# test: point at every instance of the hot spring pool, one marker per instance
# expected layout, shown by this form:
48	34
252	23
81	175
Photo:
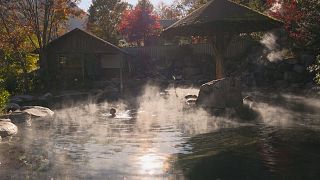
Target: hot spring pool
158	138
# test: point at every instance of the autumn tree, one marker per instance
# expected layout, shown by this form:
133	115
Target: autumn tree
104	16
45	18
290	13
30	25
171	12
14	45
302	23
301	19
140	24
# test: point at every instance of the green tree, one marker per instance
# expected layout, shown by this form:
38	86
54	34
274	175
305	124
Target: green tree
259	5
315	68
104	16
310	24
191	5
145	4
4	94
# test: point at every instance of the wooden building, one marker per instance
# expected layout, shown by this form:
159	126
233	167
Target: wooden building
79	56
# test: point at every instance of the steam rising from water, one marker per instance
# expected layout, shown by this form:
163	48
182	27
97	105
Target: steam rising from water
153	108
150	128
83	142
139	140
287	110
269	40
156	108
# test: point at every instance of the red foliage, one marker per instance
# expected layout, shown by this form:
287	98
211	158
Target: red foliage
139	24
289	12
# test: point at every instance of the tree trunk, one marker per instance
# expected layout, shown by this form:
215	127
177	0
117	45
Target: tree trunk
44	74
23	64
25	80
42	60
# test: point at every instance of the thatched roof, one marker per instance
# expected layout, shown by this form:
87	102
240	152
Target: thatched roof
222	16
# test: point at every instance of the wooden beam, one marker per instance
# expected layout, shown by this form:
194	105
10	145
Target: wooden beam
83	65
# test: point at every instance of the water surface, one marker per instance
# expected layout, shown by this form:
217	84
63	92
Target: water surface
161	138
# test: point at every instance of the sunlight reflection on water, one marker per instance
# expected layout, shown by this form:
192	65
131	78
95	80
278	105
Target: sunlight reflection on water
83	142
152	164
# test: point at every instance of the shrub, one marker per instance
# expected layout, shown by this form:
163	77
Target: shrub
315	68
4	96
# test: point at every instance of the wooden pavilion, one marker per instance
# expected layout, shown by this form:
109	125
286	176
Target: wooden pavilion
220	20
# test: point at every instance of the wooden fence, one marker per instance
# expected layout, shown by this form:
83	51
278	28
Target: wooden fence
236	47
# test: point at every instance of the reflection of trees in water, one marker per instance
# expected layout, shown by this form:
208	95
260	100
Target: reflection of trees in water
80	142
224	154
290	152
253	153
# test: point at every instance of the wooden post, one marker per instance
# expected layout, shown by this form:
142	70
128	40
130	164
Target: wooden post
218	45
121	75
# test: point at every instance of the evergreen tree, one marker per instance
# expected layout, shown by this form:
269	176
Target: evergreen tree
145	4
104	16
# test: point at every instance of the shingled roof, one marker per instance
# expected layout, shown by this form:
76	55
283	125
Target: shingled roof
85	33
222	16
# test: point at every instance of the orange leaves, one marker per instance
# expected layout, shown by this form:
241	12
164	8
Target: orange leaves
139	24
13	33
291	14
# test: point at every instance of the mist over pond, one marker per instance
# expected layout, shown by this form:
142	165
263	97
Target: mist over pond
157	136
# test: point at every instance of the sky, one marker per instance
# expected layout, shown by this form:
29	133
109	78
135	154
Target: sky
86	3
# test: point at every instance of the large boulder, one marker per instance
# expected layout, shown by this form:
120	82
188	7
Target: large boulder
37	111
12	107
46	97
221	93
21	99
4	119
7	128
44	100
18	117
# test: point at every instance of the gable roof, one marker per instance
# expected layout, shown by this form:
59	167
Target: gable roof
164	23
87	34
